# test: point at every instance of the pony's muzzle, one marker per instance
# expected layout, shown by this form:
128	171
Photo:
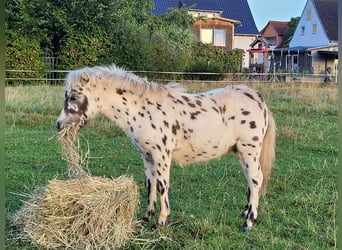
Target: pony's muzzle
59	126
63	120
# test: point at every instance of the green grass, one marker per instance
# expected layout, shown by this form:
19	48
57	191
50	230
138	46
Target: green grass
299	211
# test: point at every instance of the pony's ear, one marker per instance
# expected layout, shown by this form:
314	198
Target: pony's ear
84	77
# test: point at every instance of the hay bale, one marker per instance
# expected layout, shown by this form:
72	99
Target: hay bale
84	213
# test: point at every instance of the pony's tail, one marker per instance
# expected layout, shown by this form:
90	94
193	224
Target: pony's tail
268	152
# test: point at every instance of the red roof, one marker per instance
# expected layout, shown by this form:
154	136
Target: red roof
279	26
258	50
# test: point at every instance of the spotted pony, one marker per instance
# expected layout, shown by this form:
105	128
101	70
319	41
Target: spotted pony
167	124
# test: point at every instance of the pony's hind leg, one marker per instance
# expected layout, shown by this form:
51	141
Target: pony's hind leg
248	157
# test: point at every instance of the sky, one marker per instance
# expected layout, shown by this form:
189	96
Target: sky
275	10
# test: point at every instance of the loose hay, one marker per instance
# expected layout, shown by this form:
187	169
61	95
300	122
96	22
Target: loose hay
69	141
85	213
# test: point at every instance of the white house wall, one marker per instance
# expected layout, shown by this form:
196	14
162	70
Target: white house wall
243	42
308	38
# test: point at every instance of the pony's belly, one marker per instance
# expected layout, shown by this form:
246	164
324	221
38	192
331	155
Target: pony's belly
191	154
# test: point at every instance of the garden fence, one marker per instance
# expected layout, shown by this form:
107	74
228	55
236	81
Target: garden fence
23	77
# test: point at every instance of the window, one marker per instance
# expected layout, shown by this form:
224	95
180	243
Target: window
308	14
220	38
302	30
206	36
217	37
314	28
272	41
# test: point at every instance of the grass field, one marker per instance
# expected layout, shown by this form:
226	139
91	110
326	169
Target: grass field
299	211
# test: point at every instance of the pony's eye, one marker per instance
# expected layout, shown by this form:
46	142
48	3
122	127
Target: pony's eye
72	99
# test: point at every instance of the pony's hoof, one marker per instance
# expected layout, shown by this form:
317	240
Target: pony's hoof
145	220
162	224
246	229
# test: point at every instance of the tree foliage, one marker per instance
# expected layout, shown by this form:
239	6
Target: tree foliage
290	31
92	32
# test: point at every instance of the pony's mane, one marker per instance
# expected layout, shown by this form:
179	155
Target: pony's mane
131	82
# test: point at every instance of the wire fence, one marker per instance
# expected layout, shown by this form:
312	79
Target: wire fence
56	77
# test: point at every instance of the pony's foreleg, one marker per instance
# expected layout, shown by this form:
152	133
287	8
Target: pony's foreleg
163	190
157	179
151	185
250	164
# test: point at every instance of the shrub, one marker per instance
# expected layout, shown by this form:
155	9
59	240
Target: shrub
23	53
207	70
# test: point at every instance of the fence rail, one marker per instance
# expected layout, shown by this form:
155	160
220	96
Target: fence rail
14	77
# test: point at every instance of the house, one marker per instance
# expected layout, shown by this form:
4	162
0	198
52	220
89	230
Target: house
226	20
273	33
258	55
314	45
317	25
214	29
260	52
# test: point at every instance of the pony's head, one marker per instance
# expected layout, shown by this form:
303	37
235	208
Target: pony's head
79	104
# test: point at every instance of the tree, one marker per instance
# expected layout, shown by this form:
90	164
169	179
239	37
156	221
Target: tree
22	47
77	32
93	32
290	31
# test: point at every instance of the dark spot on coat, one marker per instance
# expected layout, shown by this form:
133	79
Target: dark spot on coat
175	127
214	108
246	112
178	101
249	95
255	182
194	114
164	139
252	124
191	105
160	187
185	98
120	91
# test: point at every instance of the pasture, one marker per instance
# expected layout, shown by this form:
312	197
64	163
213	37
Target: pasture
298	212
